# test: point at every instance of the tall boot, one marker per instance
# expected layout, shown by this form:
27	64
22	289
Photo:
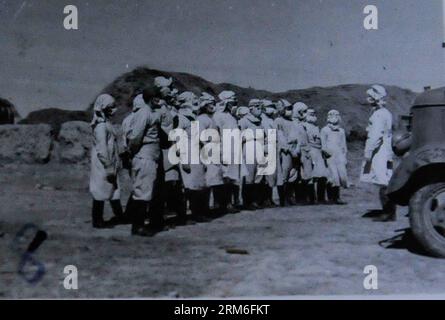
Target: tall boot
248	197
204	203
195	198
389	208
236	196
321	190
290	193
180	207
98	215
310	192
257	195
336	196
156	215
282	195
119	217
228	192
219	198
138	217
329	192
269	195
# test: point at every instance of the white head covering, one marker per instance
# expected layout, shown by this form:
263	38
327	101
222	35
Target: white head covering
378	93
254	102
267	103
311	116
187	102
163	82
333	117
242	111
298	108
138	102
206	99
227	96
102	102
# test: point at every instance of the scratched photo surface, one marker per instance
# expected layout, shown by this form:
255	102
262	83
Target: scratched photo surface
336	217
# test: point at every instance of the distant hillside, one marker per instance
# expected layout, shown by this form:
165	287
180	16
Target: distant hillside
349	99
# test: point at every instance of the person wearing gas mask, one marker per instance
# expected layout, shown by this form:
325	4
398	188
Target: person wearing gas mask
288	152
268	123
213	171
224	119
144	141
105	164
251	189
334	148
172	193
192	174
319	169
378	164
304	191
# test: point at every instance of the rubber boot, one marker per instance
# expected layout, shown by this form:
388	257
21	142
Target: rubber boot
180	206
321	190
257	195
269	196
389	208
119	217
236	197
220	204
248	190
228	199
336	196
98	215
329	192
310	192
195	198
290	193
282	195
138	217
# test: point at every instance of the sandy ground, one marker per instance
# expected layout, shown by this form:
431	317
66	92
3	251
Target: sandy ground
310	250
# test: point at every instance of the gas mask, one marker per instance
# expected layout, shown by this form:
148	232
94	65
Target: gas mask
110	111
288	113
311	116
256	111
270	112
333	117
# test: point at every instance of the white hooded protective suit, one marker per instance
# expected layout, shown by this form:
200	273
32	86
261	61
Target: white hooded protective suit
333	142
225	120
251	122
319	169
378	149
194	178
104	154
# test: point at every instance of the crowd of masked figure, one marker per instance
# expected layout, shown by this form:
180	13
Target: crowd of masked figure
311	163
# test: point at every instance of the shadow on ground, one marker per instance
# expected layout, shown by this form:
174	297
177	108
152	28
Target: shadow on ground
405	240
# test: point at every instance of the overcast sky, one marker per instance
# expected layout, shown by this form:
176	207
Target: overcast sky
274	45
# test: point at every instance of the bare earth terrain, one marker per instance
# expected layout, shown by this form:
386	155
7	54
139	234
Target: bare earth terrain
318	250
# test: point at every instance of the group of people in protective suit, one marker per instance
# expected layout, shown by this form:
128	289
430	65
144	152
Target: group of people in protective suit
310	163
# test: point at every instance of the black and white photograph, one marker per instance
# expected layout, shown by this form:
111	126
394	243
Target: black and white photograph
254	149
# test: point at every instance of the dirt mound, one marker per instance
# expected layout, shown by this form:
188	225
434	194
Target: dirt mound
349	99
25	144
56	117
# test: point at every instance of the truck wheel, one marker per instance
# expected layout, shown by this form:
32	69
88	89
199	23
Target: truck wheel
427	218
